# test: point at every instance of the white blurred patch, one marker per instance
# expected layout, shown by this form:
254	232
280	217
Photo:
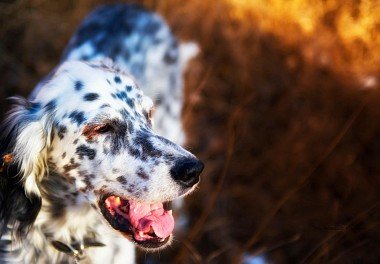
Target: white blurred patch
253	259
187	51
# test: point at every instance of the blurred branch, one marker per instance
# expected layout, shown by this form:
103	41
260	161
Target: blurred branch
194	253
350	249
196	94
217	253
266	249
231	136
335	233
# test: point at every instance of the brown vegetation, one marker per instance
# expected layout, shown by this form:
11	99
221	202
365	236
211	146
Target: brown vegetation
282	105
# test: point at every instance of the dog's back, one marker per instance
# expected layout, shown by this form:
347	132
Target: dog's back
141	43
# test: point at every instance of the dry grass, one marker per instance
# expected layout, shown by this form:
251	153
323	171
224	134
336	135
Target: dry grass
282	105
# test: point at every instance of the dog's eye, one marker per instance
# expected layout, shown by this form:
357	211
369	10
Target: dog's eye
103	128
90	131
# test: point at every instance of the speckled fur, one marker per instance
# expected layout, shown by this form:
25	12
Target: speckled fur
87	130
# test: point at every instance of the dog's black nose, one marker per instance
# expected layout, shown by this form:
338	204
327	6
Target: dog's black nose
186	171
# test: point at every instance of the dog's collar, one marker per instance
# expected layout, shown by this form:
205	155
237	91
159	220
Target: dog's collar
77	248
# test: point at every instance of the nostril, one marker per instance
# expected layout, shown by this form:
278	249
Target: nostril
192	172
186	171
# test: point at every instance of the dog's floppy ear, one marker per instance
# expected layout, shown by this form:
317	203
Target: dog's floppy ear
28	128
24	139
17	211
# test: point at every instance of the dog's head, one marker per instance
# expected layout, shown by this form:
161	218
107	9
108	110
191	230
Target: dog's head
92	125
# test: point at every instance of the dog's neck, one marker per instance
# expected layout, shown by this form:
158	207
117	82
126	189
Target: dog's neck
66	223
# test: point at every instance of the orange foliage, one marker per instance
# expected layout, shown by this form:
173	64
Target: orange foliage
343	34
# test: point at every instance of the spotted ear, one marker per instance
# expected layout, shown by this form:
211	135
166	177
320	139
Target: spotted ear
28	128
187	51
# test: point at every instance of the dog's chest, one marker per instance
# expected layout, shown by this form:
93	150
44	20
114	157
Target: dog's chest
82	238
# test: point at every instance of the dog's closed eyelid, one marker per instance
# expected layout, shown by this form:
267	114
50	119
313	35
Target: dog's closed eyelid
92	130
104	128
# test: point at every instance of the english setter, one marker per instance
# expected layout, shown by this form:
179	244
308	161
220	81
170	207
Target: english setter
83	176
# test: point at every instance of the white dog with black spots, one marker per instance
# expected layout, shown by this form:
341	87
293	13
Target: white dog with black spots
86	173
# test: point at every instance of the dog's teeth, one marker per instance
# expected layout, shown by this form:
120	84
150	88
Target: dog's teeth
141	233
151	231
170	212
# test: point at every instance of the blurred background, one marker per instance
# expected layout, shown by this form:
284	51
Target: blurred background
282	105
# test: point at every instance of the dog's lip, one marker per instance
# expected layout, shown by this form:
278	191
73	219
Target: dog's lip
152	243
127	230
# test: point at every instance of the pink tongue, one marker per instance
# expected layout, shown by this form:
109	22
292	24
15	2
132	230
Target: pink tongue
143	216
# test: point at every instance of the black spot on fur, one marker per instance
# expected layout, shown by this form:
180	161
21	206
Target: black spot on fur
130	103
91	176
131	188
122	95
70	166
122	180
142	174
88	182
59	194
75	141
90	96
108	81
130	127
61	131
118	138
128	88
51	106
105	105
125	114
63	155
143	140
58	210
85	151
134	152
171	56
77	117
117	79
34	108
82	173
78	85
137	193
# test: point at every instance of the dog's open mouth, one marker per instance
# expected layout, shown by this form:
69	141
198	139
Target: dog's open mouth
148	225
